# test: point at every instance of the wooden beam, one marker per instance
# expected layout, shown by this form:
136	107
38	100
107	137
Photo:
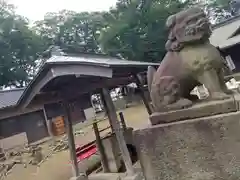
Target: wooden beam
122	119
14	111
101	148
49	124
71	142
80	88
139	81
112	115
77	89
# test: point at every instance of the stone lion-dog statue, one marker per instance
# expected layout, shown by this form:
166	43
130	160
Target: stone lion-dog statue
190	61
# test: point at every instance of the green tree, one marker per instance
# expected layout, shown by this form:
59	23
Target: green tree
19	48
218	10
73	32
136	29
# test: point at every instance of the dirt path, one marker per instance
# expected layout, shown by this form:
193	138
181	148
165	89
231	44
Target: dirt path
58	166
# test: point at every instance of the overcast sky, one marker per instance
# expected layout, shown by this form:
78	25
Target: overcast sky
35	9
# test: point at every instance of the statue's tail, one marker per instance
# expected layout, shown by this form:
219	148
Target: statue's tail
150	75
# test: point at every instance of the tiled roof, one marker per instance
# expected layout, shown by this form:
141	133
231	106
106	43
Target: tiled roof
223	34
230	42
96	60
10	97
58	66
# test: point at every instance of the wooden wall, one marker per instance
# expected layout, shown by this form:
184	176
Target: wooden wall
33	124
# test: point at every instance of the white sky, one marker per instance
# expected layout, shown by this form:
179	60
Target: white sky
35	9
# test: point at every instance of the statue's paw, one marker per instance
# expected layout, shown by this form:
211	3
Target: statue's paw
185	103
180	104
228	92
192	97
219	96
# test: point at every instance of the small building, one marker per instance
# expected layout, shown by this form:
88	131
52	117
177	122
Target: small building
31	124
24	126
226	37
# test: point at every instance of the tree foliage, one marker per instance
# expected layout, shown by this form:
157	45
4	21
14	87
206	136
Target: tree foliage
74	32
133	29
136	29
19	48
218	10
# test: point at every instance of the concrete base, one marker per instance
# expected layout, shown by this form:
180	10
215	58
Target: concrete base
112	151
136	176
79	178
89	164
114	176
105	176
202	109
200	149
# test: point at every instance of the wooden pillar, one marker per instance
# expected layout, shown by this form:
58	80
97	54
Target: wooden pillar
71	142
112	115
101	148
122	119
139	81
48	123
105	107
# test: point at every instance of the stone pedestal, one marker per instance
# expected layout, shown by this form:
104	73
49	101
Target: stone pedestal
79	178
105	176
201	109
136	176
206	148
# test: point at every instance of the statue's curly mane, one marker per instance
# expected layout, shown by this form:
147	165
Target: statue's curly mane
188	26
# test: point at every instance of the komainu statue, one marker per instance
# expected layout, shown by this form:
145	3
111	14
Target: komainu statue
190	61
